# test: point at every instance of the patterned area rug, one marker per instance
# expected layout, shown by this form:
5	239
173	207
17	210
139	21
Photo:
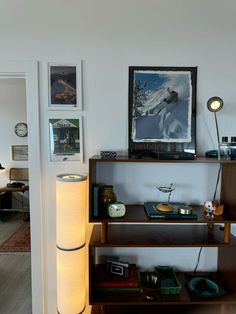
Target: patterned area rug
19	241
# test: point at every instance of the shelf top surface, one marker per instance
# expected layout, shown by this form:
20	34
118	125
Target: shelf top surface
136	213
198	159
184	297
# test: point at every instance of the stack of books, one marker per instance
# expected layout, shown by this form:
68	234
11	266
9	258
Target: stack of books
105	281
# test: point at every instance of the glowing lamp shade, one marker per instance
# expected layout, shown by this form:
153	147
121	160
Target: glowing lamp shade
71	281
71	194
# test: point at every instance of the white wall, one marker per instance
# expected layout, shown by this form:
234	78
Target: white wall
109	36
12	111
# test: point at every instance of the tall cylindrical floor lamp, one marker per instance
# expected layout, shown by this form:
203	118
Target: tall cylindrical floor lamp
71	195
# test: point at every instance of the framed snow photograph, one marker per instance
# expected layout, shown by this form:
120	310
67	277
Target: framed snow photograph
66	139
162	109
65	86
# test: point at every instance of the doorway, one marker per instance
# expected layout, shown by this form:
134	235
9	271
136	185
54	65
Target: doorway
28	71
14	202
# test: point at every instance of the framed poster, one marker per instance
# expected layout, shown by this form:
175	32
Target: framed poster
66	139
19	152
65	86
162	109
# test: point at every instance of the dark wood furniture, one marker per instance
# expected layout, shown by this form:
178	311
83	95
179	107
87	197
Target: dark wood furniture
194	233
6	195
8	192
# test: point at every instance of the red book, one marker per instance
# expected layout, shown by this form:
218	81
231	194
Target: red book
104	279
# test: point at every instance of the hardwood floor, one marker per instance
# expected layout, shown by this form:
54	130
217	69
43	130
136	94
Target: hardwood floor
15	273
15	283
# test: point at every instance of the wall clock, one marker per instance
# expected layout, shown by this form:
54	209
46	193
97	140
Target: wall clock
21	129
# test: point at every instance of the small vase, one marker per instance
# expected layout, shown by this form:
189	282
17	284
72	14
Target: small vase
107	196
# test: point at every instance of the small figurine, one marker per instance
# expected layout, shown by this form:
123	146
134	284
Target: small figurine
210	208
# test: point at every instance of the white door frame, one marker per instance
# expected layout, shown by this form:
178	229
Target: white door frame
29	71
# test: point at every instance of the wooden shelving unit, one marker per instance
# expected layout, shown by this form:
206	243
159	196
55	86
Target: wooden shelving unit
154	233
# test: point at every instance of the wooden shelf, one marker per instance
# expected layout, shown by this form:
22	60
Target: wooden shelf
134	235
136	230
185	297
136	213
167	309
198	159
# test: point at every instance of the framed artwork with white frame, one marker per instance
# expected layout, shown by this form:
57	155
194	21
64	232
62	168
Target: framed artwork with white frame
66	139
19	152
65	86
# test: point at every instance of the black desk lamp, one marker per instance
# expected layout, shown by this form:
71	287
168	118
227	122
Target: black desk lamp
1	167
215	104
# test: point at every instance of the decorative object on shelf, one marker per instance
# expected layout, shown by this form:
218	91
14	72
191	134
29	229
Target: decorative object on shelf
19	152
117	268
1	167
135	154
116	210
215	104
107	196
169	282
153	213
108	154
232	148
96	190
21	129
185	210
212	208
71	194
165	207
66	142
65	86
208	285
224	148
150	282
212	153
162	109
203	287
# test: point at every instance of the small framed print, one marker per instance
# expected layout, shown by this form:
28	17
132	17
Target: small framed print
65	86
19	152
66	139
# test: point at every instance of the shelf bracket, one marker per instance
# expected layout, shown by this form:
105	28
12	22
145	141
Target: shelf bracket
227	232
103	309
210	224
104	227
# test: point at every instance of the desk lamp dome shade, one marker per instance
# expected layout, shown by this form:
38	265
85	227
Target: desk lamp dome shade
1	167
215	104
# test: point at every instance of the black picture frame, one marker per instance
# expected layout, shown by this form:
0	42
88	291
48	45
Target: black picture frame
162	109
